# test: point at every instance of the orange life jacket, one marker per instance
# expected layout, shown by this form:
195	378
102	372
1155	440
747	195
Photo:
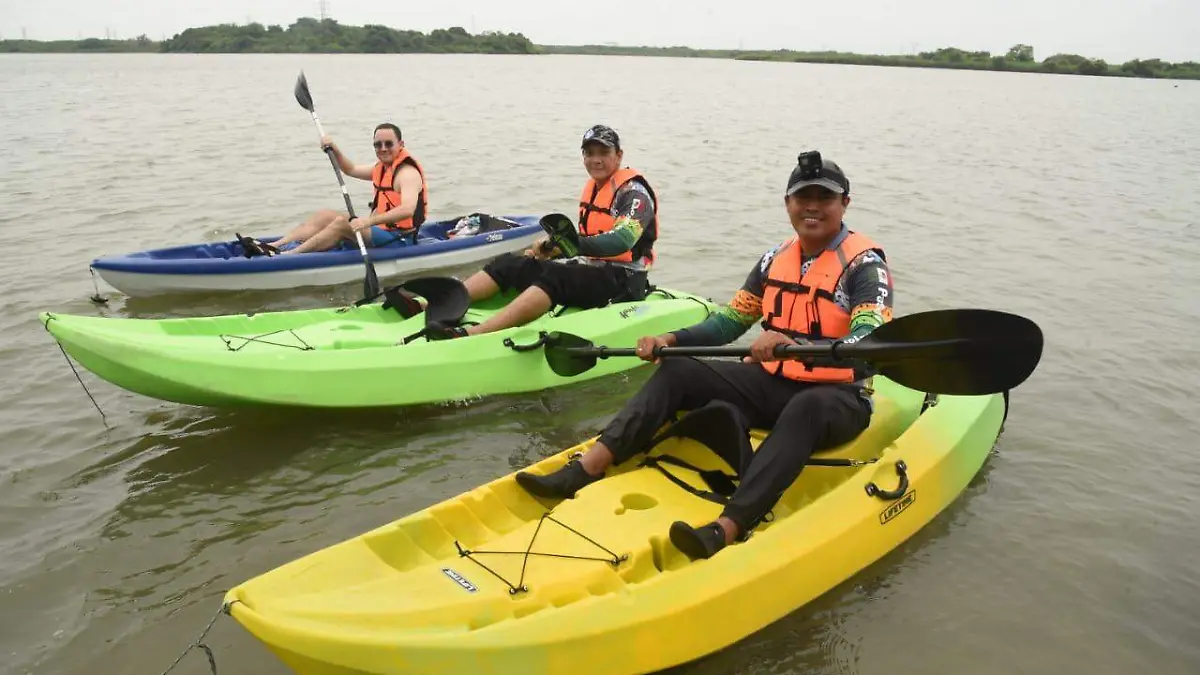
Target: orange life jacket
803	305
386	198
596	216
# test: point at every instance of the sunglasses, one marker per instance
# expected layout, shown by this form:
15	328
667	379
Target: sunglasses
384	144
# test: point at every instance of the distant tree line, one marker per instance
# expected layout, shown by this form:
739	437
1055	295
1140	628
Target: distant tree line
329	36
305	35
138	44
1019	59
311	35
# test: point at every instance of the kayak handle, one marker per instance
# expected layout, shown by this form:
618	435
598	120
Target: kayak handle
874	490
542	335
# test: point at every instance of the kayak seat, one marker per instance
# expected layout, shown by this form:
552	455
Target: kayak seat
707	462
888	422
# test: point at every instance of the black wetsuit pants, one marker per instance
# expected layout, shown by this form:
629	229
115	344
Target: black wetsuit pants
803	418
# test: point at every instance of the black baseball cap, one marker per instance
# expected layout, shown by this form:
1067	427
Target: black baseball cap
812	169
601	134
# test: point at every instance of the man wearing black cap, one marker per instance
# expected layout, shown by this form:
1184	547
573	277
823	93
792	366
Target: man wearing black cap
826	284
601	258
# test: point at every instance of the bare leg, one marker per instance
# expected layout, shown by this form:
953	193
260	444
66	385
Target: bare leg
327	238
315	223
597	459
481	285
527	306
730	528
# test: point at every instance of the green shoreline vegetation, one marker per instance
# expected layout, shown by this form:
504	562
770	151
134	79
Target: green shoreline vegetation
309	35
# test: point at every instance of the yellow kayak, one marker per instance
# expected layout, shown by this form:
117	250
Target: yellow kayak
497	581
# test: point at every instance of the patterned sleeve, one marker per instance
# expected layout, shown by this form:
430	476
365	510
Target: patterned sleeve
869	288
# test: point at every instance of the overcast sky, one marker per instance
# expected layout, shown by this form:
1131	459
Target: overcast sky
1115	30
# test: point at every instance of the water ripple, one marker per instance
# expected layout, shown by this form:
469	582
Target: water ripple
1069	200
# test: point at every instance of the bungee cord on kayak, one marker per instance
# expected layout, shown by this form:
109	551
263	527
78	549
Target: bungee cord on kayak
304	346
520	587
721	483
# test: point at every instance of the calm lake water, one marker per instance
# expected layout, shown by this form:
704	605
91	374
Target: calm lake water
1071	200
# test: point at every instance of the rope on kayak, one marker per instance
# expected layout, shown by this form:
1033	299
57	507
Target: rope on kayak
212	661
258	338
520	586
97	298
49	318
85	389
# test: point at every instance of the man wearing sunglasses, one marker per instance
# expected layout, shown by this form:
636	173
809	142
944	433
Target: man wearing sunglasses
603	257
826	284
398	206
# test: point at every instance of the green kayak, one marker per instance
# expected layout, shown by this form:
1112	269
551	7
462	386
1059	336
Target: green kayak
351	357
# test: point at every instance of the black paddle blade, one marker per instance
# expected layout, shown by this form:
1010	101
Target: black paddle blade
554	224
302	96
569	355
963	352
446	297
562	232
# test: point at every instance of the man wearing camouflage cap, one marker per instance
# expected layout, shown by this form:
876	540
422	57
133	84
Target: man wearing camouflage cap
603	257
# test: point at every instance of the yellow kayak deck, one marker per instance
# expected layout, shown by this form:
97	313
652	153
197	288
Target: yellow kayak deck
498	581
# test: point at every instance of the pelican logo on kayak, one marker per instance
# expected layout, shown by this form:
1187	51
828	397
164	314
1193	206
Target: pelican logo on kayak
458	578
495	236
897	508
630	311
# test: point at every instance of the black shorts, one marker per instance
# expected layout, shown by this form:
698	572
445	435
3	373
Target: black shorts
568	284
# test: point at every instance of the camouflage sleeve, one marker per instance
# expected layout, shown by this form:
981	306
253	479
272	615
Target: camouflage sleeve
869	288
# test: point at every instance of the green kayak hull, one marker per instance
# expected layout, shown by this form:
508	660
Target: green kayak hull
350	357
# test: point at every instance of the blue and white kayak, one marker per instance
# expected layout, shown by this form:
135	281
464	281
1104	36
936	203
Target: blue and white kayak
224	266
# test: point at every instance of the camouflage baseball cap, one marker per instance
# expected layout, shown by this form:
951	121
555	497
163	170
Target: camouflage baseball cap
601	134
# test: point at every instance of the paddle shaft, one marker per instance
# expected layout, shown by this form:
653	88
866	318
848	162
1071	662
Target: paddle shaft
837	351
345	192
961	352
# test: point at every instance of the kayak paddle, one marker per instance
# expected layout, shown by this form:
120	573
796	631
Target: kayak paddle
371	282
446	298
562	233
964	352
